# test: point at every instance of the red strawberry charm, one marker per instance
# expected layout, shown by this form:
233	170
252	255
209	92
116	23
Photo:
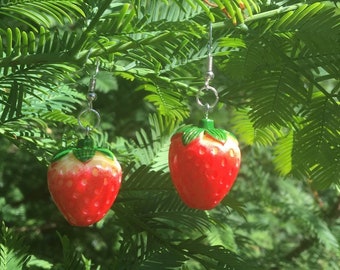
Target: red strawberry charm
203	162
84	182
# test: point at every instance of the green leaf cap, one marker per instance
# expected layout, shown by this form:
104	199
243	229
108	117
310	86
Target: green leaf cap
206	125
84	151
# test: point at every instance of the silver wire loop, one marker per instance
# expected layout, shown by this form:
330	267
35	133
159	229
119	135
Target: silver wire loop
83	114
208	107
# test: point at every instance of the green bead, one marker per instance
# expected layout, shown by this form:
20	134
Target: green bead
206	123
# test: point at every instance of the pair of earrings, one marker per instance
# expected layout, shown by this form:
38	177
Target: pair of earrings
204	161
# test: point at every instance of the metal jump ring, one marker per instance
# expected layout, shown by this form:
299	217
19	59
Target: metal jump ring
89	110
207	106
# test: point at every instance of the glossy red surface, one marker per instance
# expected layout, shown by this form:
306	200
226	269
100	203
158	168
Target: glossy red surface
84	191
204	170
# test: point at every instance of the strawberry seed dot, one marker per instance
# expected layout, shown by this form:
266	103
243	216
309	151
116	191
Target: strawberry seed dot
223	163
95	172
214	150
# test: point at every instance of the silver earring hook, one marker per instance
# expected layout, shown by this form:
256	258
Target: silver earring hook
209	76
210	73
93	80
87	112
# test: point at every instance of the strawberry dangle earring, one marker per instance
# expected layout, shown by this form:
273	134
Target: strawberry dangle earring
84	180
204	161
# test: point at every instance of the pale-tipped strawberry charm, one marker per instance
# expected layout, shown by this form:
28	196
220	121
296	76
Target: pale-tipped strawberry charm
84	182
204	163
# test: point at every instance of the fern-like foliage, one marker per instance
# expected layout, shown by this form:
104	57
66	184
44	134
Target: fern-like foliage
154	48
151	147
28	121
32	94
151	213
280	68
71	258
13	255
292	89
31	14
